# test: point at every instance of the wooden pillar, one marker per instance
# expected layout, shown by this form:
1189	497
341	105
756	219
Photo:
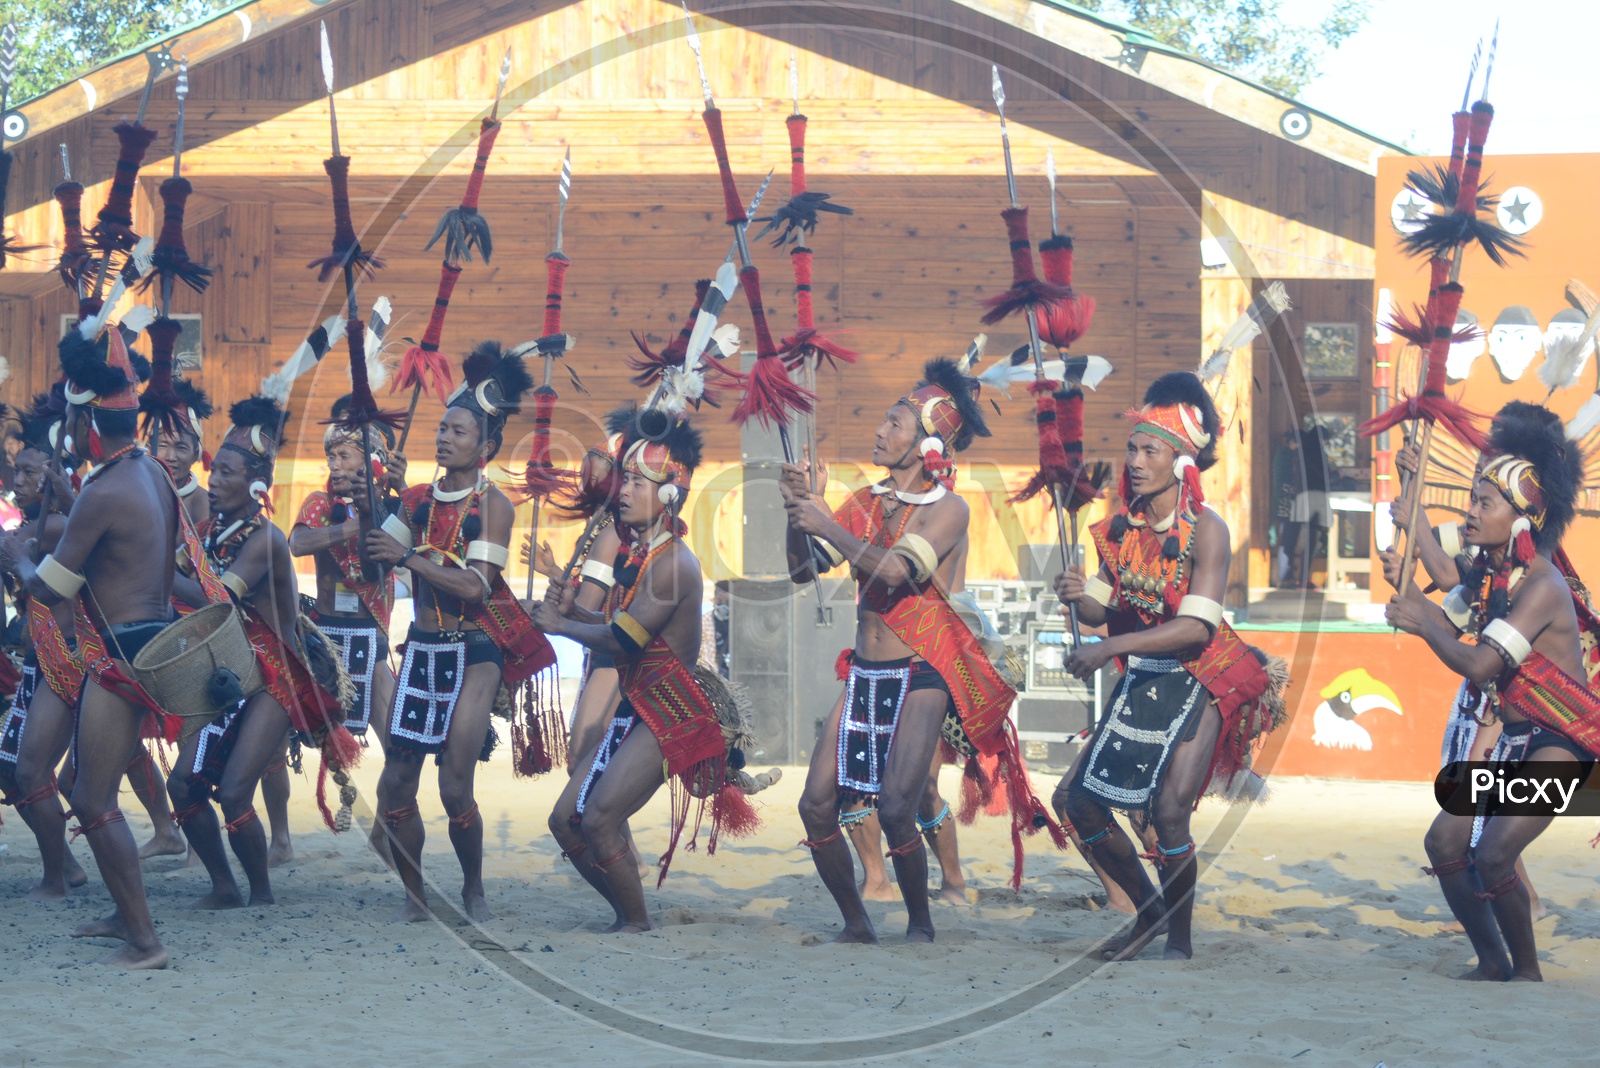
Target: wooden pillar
1228	484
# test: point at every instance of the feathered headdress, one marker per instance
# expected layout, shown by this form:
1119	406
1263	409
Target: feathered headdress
1538	471
600	474
493	383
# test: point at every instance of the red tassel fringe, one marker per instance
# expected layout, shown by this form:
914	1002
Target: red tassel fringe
769	395
1054	470
74	250
423	365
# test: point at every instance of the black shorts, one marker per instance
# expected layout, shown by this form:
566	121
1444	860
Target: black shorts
124	641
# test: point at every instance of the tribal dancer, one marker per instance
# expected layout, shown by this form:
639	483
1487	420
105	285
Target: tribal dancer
179	448
595	499
250	558
38	728
917	672
470	637
1471	729
1529	659
115	561
1193	696
650	626
352	611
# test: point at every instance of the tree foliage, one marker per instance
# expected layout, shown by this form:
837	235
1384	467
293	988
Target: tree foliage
1249	37
59	40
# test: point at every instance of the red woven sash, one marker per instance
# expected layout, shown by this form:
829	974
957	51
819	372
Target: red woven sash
62	671
664	694
1555	700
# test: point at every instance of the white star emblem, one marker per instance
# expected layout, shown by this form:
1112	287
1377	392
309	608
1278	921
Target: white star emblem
1519	209
1407	211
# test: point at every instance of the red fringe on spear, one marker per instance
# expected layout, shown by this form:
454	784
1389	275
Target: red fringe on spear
538	727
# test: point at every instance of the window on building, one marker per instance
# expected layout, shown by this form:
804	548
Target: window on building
1330	350
186	351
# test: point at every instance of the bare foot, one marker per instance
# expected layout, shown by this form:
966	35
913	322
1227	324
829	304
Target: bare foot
48	890
138	959
170	844
218	900
854	936
1173	952
476	908
412	911
105	927
1537	910
636	928
917	935
616	925
883	891
953	895
1518	977
262	897
1481	974
192	860
280	853
74	872
1111	947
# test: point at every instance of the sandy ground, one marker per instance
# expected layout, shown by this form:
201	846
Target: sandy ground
1316	935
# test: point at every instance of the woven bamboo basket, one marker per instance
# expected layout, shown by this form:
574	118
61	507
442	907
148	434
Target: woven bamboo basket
176	667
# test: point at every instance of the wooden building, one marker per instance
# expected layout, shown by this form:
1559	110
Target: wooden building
1162	158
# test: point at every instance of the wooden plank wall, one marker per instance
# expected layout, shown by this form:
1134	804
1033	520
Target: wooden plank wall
902	280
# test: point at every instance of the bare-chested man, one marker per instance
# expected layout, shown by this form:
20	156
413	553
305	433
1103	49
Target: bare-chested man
1174	720
917	671
1528	655
470	634
250	557
352	610
649	625
600	483
116	557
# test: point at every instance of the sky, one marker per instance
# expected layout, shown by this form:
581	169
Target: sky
1403	74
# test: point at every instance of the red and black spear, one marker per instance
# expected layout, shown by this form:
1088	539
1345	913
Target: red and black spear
160	402
538	739
807	347
463	228
350	257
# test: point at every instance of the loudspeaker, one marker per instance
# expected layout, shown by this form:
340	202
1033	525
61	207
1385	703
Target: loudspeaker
766	524
1038	563
784	661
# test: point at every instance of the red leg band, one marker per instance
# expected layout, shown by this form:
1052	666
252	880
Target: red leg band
184	815
113	816
394	817
279	766
464	820
818	843
1501	888
618	855
1450	867
47	790
906	849
575	852
234	826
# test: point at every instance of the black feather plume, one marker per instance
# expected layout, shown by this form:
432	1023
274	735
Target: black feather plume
1438	235
463	229
800	214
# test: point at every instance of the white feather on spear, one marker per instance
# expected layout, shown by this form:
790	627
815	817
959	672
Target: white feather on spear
1267	306
1588	416
280	383
1088	371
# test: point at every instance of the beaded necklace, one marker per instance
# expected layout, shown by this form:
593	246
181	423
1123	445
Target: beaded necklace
469	504
223	546
620	596
1145	573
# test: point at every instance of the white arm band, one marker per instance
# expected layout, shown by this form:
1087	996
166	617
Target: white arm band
824	557
597	572
236	585
1099	591
1202	608
1508	640
1450	538
62	580
916	551
488	552
397	529
1457	609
